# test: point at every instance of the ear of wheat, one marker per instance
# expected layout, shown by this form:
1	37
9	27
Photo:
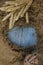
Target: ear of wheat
16	9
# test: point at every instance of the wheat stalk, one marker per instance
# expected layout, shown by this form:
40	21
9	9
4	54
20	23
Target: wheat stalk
11	21
27	17
27	7
6	17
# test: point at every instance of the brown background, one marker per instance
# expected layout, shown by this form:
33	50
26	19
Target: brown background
36	19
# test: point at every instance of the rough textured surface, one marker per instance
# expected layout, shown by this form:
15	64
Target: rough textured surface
36	19
23	37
